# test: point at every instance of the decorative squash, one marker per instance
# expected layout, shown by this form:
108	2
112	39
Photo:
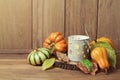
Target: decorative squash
38	56
58	40
104	39
100	56
110	51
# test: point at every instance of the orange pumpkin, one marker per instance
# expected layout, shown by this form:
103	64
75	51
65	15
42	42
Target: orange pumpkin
58	40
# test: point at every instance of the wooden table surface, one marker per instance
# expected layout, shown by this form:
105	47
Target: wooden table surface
16	67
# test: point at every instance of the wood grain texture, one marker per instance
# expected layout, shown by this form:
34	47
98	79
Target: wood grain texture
16	67
40	23
81	15
15	24
109	21
53	17
35	23
25	24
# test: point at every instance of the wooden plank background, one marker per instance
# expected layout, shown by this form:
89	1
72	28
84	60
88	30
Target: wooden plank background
28	25
15	24
109	21
81	16
50	18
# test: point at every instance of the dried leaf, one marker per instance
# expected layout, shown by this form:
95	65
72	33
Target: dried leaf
94	68
62	57
48	63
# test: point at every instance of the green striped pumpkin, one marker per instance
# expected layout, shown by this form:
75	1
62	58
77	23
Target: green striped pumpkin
37	57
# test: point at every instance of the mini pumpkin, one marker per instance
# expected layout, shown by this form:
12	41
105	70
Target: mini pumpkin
56	39
38	56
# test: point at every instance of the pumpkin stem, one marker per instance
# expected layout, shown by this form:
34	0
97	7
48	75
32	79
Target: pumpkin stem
52	47
95	40
36	49
106	71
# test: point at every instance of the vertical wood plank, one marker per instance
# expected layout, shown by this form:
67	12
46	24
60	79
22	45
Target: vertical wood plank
109	20
53	17
35	23
73	18
81	15
15	24
40	23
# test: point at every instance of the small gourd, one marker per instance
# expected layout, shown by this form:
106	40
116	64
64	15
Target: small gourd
100	56
102	39
105	39
38	56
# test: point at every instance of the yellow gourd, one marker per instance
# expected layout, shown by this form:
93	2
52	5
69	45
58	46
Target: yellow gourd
100	56
103	39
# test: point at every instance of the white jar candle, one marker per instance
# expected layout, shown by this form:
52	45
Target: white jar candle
78	47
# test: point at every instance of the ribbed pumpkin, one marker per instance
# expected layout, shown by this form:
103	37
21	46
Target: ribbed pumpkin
38	56
58	40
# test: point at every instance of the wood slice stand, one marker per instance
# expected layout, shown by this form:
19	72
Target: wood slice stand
67	66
